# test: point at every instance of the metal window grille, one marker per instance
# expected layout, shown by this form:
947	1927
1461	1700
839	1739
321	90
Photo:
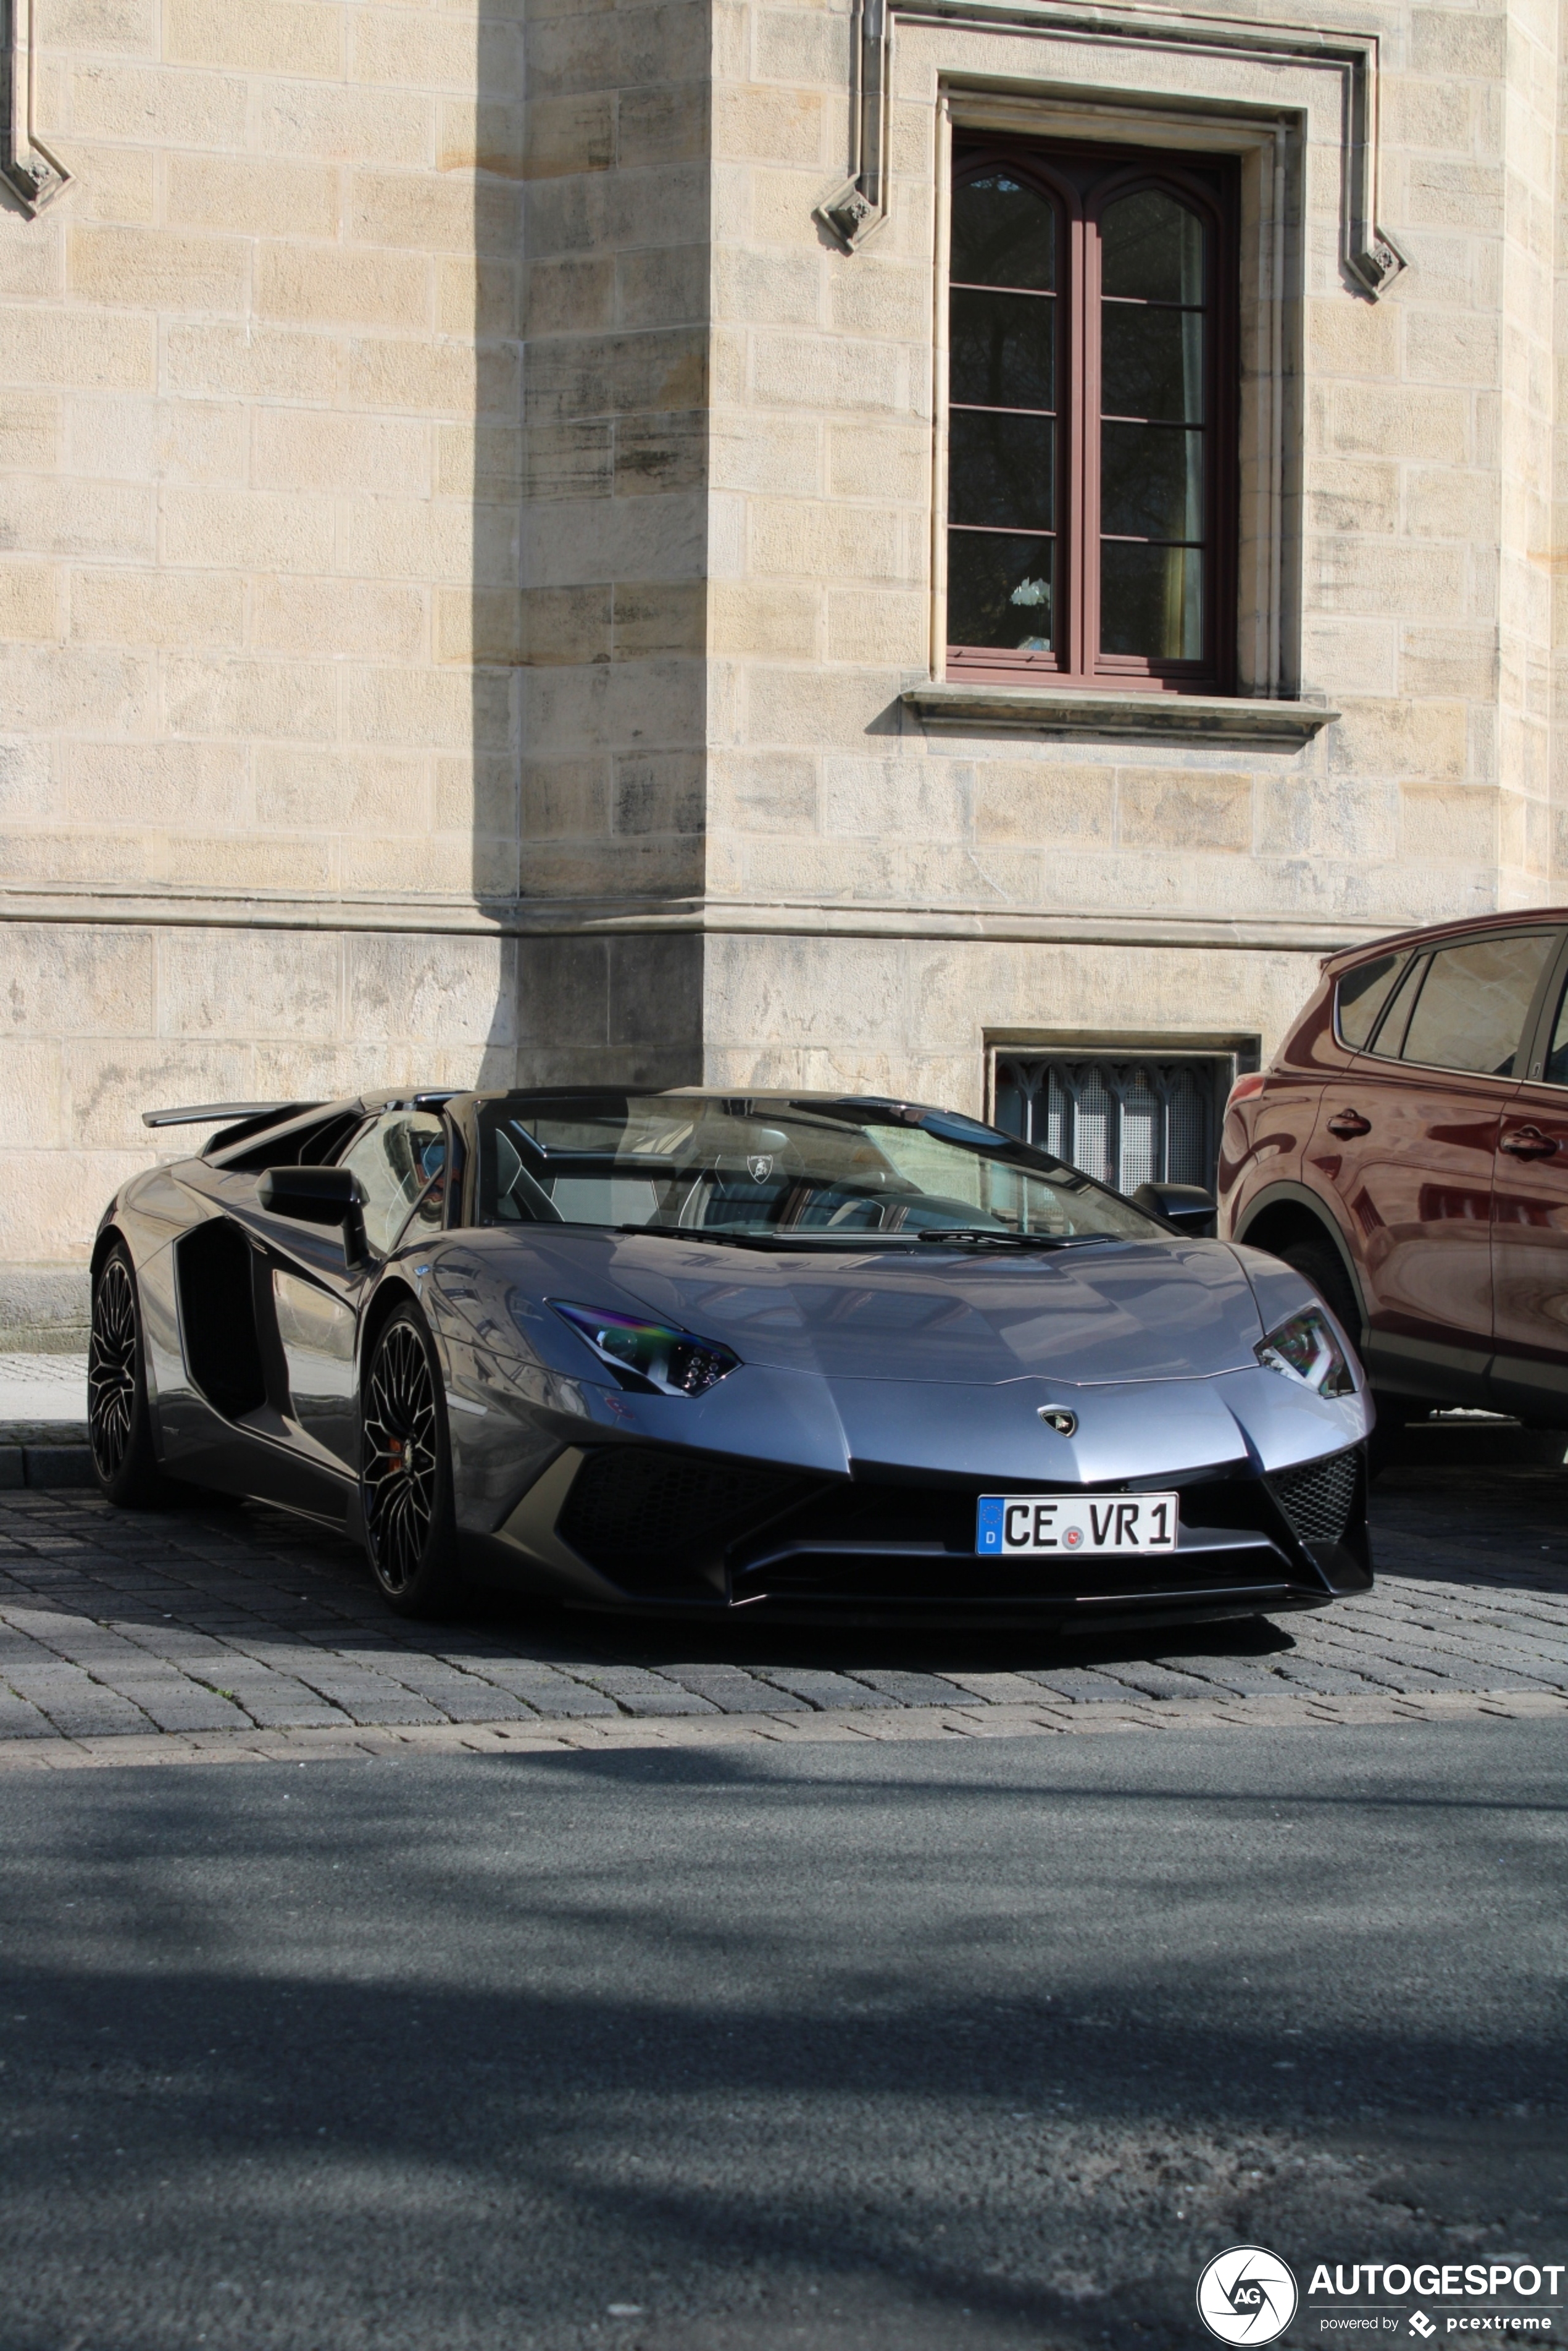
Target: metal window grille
1126	1119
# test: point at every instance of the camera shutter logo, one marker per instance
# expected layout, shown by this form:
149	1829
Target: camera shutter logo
1246	2295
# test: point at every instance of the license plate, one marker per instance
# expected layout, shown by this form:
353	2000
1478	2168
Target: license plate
1032	1525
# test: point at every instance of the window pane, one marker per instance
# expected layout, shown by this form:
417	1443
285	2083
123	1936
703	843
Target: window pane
1151	600
394	1160
1151	362
1001	469
1361	996
1391	1029
1000	591
1470	1013
1151	482
1003	351
1557	1059
1003	233
1151	247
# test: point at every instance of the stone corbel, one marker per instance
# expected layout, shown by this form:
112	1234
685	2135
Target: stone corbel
856	210
33	173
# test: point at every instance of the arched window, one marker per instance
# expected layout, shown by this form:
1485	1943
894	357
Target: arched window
1091	442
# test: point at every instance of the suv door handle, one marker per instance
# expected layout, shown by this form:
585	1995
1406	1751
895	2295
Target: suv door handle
1528	1142
1346	1123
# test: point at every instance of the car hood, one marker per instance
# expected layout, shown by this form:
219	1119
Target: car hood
1127	1311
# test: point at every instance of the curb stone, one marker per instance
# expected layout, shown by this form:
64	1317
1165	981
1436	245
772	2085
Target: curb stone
592	1734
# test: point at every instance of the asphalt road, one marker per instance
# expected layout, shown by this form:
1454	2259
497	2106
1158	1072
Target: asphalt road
913	2049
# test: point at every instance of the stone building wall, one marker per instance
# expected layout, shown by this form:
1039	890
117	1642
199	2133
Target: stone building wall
466	551
259	508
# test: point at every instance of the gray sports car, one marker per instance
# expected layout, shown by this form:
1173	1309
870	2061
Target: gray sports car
712	1354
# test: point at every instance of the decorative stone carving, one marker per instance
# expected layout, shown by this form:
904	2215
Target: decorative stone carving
34	175
859	207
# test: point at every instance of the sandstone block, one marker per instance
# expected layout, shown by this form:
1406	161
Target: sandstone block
1457	821
75	349
1178	809
776	126
478	624
882	625
253	362
1031	801
213	694
286	36
1373	577
245	193
652	618
440	709
200	784
53	515
260	530
365	619
307	285
565	799
574	296
165	105
775	618
1380	738
30	603
307	792
565	626
820	541
342	122
434	379
30	425
660	454
665	125
141	608
249	984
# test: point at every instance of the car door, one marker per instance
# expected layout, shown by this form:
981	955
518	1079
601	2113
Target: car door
1530	1226
1408	1142
317	1287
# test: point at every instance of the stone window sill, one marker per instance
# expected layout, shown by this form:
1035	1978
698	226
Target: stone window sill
1064	710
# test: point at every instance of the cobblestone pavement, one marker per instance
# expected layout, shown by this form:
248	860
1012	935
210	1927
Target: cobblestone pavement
210	1621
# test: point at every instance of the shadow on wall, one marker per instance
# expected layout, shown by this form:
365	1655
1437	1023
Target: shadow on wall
588	480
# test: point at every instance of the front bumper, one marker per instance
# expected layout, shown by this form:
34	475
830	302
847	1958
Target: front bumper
653	1528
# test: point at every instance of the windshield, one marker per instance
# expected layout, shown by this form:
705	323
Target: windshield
813	1174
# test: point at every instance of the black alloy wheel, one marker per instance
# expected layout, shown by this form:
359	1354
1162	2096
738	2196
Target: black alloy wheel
405	1475
119	1426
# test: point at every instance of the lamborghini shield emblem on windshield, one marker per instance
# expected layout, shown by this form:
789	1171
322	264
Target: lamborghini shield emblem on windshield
760	1166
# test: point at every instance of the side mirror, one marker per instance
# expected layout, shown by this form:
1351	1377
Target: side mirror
312	1196
1188	1206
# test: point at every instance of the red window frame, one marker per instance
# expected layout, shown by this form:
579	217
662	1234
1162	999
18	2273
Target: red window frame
1080	182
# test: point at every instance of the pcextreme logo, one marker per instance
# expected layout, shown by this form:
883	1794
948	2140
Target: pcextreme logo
1246	2295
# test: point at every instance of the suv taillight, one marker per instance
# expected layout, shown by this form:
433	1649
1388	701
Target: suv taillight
1244	1089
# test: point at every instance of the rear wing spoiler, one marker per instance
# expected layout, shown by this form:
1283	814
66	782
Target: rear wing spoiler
209	1113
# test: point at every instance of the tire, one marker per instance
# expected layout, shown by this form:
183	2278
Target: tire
1316	1263
405	1472
119	1418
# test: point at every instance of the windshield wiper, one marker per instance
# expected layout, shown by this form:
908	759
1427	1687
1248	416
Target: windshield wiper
991	1237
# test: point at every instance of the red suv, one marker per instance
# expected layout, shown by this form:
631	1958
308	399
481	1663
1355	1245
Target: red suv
1408	1152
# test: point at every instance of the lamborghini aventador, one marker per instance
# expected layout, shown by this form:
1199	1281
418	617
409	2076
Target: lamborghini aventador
722	1355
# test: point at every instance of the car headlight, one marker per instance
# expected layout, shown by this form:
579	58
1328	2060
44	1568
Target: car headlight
1306	1349
651	1355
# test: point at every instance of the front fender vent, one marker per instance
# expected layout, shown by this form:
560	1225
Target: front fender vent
1319	1498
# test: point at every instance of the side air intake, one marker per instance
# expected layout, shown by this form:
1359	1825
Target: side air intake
1319	1497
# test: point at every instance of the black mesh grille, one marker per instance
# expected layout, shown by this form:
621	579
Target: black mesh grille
628	1508
1319	1497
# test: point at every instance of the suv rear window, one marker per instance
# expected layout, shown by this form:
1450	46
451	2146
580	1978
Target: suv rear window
1474	1001
1361	996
